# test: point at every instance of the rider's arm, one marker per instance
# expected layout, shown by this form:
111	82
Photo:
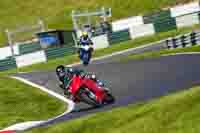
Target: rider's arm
68	83
91	43
80	72
80	41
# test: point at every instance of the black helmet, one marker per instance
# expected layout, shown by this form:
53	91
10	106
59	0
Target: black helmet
60	71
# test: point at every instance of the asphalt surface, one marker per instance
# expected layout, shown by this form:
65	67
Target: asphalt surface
145	48
132	82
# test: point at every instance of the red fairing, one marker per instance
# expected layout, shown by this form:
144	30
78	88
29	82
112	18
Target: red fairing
92	85
9	131
75	85
77	82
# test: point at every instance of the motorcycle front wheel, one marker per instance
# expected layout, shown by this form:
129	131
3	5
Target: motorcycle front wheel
88	98
109	99
86	59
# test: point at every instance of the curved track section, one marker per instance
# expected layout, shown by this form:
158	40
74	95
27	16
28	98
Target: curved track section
27	125
132	82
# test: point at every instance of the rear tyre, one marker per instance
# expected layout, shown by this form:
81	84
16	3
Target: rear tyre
85	63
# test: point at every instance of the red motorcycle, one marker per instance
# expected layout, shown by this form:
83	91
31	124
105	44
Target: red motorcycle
89	91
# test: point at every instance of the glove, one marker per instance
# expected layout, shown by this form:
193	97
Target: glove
67	93
61	85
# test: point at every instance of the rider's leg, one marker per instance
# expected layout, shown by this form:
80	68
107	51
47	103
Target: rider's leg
90	54
81	53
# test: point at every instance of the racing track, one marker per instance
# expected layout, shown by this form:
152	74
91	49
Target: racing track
132	82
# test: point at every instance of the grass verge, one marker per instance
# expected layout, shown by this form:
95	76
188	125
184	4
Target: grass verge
56	14
176	113
20	102
157	54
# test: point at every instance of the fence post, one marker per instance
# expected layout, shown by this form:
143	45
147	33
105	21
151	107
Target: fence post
193	38
168	44
183	41
174	42
10	42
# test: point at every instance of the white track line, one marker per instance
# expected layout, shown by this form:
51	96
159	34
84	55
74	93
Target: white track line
183	53
42	88
31	124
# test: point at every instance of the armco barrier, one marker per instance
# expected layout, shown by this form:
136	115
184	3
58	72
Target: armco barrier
28	48
53	53
120	36
7	64
186	40
165	25
156	17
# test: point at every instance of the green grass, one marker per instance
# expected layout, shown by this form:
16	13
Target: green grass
56	14
157	54
20	102
176	113
51	64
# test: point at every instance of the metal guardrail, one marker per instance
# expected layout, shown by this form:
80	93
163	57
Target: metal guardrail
7	64
53	53
185	40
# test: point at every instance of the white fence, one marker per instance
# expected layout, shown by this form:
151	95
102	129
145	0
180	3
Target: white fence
100	41
6	51
187	20
32	58
185	9
142	30
124	24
